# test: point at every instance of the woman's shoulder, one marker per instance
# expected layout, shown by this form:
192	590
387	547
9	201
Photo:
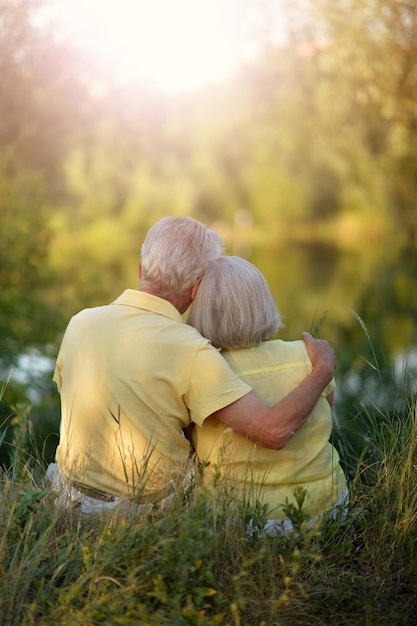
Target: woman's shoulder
269	352
295	349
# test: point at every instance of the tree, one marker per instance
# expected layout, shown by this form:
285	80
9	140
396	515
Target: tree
368	55
38	117
24	276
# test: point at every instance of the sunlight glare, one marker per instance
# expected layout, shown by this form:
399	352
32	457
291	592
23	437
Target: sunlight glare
177	44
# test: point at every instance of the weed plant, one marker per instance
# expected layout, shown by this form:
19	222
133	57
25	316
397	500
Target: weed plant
196	564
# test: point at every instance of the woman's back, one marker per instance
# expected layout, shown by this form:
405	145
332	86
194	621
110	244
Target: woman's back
273	369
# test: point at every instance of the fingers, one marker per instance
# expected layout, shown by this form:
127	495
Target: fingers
319	350
309	341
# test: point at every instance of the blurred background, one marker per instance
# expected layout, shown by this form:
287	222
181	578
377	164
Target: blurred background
290	127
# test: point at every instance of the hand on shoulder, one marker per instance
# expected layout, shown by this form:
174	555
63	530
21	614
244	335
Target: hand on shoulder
321	355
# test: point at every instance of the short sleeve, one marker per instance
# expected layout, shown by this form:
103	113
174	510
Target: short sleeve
213	384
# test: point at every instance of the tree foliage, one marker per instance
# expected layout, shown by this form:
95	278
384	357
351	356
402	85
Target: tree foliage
369	52
36	124
311	140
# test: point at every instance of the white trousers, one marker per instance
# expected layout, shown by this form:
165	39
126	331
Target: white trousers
68	495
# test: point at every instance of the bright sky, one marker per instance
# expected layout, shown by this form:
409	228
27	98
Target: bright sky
178	44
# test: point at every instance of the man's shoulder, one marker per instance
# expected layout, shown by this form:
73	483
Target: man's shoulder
188	335
90	312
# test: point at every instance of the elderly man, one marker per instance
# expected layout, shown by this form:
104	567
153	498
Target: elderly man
132	376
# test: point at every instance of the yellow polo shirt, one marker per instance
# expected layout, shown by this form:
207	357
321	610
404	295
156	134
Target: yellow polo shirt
131	376
273	370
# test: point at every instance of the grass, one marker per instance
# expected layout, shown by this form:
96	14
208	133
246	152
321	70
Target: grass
195	563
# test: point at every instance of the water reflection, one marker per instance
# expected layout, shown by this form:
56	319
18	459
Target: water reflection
316	281
364	301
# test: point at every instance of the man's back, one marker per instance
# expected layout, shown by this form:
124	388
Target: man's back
130	376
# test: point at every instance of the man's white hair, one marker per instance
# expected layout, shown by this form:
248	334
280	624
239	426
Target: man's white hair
176	252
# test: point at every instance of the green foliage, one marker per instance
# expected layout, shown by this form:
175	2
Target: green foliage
368	60
307	152
28	430
196	562
374	400
304	161
24	277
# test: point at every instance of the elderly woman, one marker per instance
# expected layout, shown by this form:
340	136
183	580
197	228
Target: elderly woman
235	309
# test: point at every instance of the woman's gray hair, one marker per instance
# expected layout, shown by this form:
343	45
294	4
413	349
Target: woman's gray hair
234	307
175	253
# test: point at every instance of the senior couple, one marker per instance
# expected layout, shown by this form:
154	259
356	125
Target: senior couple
133	377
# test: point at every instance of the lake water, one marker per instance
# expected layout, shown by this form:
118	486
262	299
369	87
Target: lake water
347	293
363	299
